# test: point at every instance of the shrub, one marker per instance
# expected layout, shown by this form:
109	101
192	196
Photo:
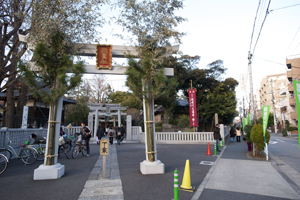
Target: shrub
284	132
257	136
173	121
184	121
248	133
292	128
158	126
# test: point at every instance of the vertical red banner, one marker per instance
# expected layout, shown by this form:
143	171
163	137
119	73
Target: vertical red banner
193	108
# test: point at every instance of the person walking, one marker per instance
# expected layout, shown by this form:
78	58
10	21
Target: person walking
232	133
100	133
238	134
118	135
217	136
123	133
86	135
111	135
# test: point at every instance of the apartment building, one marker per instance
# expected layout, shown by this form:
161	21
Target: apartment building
288	105
270	88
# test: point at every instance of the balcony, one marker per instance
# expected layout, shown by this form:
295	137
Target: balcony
291	87
282	103
292	101
289	74
282	91
294	115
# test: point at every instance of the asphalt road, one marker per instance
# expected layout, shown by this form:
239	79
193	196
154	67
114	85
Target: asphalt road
148	187
17	181
287	149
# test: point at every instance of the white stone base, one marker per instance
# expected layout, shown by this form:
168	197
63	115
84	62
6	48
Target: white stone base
45	172
156	167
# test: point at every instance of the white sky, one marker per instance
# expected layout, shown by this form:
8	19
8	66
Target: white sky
219	29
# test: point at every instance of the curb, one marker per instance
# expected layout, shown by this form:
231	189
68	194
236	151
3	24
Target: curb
201	187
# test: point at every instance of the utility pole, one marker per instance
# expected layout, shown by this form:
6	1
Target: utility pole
251	86
274	109
243	107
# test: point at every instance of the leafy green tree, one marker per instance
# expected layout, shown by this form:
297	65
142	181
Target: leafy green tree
37	20
152	25
270	120
76	113
167	98
126	99
184	121
54	62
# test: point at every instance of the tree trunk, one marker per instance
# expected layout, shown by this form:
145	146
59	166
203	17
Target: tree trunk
166	116
10	108
21	103
149	125
51	135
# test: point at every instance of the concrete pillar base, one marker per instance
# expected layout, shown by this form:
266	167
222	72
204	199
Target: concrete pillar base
45	172
156	167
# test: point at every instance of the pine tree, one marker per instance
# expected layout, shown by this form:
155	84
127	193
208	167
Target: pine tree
54	62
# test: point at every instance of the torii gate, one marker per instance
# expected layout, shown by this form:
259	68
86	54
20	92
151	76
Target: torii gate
57	170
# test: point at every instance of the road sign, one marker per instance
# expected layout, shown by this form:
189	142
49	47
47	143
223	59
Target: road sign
104	147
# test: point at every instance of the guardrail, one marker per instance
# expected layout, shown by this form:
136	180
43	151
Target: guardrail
22	135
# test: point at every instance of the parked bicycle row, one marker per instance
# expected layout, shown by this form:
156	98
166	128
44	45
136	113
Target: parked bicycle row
29	152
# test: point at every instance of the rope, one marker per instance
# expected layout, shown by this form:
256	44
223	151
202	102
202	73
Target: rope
50	156
151	152
54	122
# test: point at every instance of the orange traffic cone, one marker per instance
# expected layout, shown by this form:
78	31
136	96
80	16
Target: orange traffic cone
208	150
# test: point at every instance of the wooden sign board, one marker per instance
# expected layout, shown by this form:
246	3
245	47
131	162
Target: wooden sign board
104	147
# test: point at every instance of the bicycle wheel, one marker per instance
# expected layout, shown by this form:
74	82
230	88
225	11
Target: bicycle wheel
41	153
75	151
3	163
67	146
84	151
7	153
64	149
28	155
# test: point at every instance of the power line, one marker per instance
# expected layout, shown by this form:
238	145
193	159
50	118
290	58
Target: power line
292	40
285	7
296	48
267	12
254	24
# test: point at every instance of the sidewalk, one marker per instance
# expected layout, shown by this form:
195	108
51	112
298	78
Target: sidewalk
235	174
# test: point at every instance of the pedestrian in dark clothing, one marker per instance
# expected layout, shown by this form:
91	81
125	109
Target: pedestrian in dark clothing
86	135
232	134
217	136
100	133
123	133
119	135
62	132
111	135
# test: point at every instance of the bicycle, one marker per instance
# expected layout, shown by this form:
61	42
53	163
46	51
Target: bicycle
27	153
79	147
3	163
63	146
41	149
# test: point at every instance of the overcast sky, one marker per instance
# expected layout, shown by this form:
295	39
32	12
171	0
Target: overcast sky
219	29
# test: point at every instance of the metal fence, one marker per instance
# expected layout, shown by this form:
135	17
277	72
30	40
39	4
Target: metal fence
18	135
